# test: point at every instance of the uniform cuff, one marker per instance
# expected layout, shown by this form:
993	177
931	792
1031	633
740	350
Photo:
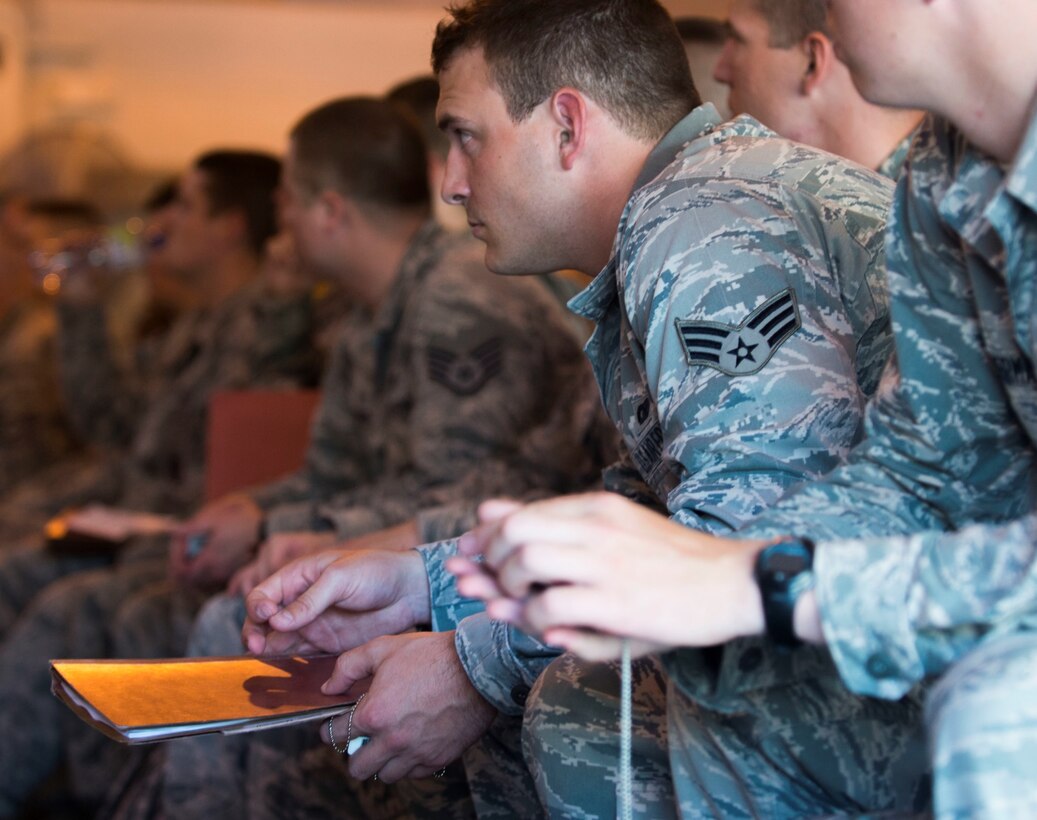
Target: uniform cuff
501	662
862	596
448	606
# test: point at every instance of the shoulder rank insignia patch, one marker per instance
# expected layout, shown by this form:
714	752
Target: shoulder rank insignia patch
745	349
466	373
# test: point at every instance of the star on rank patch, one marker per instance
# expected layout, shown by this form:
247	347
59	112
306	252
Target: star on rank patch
743	349
468	372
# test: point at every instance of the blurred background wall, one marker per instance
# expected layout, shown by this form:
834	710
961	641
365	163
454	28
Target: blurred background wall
105	92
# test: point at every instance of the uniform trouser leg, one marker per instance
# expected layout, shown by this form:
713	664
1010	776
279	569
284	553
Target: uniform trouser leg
68	620
806	749
571	740
500	784
982	723
29	569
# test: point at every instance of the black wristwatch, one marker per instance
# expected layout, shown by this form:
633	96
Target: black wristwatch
783	572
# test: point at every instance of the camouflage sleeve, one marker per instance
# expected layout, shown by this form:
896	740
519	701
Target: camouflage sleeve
748	349
449	608
943	447
501	662
105	402
897	610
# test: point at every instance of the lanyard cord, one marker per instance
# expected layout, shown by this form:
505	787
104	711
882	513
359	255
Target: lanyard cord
625	810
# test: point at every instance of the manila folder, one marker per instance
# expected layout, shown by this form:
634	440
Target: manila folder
153	700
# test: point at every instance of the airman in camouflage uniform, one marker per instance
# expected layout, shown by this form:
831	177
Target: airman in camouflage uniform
771	318
727	290
249	338
429	444
951	443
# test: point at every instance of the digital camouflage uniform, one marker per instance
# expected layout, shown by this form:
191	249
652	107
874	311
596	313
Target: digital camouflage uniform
250	340
441	381
34	431
743	305
464	386
893	164
940	597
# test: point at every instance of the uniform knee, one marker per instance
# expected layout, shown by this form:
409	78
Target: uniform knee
217	628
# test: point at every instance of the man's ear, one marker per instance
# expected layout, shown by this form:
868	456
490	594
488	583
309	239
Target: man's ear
568	109
820	54
334	209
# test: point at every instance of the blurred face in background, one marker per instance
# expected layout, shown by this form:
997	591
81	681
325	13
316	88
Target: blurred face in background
306	217
282	270
167	288
763	81
195	237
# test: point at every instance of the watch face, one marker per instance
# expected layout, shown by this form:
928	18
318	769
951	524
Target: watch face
787	562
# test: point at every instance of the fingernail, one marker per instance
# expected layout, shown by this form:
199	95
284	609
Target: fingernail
284	617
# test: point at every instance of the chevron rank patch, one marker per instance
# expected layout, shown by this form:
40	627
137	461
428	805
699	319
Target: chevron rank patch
744	349
466	373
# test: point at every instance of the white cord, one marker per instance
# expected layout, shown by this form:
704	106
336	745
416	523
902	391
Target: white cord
625	810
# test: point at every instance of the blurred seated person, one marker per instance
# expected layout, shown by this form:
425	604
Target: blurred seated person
150	423
76	477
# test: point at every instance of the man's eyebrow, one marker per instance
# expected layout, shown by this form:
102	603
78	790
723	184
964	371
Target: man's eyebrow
445	122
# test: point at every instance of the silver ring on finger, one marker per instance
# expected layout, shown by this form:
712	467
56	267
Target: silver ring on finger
331	736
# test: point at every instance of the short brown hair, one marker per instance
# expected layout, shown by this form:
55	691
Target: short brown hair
790	21
364	148
243	181
624	54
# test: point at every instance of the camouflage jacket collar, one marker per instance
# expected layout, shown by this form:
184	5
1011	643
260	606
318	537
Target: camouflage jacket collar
892	165
700	121
983	203
684	139
425	250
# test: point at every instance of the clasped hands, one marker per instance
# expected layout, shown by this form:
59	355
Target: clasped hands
585	572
